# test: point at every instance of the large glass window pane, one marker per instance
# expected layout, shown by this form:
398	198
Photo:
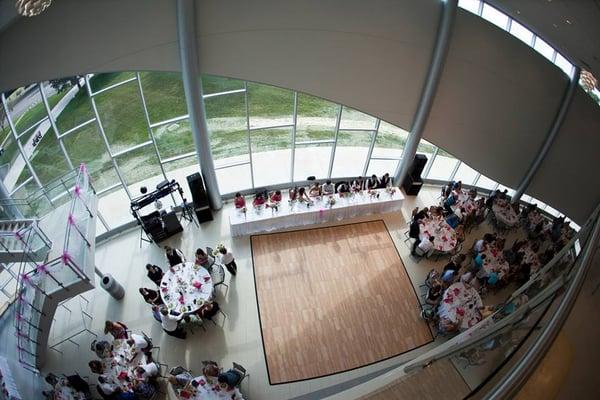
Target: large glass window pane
353	119
174	139
227	125
510	192
269	105
564	64
470	5
485	182
86	146
233	179
312	160
442	166
74	110
216	84
164	95
122	115
102	81
316	118
427	149
114	207
520	32
380	167
17	175
139	168
390	141
47	158
351	153
180	169
496	17
543	48
271	156
465	174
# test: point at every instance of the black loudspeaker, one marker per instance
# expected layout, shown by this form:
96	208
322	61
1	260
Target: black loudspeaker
417	166
412	185
172	225
199	197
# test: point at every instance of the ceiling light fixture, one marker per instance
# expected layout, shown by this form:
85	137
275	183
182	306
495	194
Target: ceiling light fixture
31	8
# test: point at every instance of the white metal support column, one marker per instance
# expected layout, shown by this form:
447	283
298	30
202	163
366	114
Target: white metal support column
431	83
556	124
335	139
248	138
293	144
192	84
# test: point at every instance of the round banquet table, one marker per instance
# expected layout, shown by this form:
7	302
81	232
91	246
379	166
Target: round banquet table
464	201
185	287
123	363
460	304
207	391
505	214
444	236
495	262
64	392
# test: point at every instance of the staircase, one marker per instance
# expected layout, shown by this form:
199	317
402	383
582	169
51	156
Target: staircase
22	238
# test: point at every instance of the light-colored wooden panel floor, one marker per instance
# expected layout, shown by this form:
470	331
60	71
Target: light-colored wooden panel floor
333	299
438	381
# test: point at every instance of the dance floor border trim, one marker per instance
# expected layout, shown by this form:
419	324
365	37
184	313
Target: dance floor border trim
349	369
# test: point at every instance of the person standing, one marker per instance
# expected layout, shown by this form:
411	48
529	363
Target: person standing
170	324
155	273
228	260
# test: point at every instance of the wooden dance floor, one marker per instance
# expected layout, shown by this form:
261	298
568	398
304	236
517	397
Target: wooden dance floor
333	299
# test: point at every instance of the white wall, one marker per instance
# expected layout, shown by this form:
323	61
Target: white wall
496	100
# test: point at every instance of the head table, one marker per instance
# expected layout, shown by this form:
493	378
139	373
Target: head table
185	287
207	389
288	214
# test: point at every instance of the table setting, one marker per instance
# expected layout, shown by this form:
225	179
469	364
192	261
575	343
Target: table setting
495	262
185	287
444	236
120	368
202	388
460	305
62	391
505	213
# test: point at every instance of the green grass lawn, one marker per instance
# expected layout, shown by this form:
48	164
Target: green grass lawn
125	125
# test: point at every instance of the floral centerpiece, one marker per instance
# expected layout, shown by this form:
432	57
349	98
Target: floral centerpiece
390	190
330	201
217	249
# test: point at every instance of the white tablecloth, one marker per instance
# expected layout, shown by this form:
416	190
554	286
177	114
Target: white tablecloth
505	213
444	236
464	201
298	214
185	287
461	304
122	360
207	391
495	262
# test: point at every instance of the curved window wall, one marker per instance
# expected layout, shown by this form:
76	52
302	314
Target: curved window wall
133	130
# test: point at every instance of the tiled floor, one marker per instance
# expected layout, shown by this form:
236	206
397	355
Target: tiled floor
240	338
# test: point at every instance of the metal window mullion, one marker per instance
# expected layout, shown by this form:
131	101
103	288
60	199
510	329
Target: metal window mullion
371	146
19	145
335	139
25	182
495	186
208	96
177	158
54	126
233	164
508	24
248	133
75	128
169	121
293	145
426	172
133	148
533	39
455	170
102	220
476	179
103	135
260	128
480	9
32	127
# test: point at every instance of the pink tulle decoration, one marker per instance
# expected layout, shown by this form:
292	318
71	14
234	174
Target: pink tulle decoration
77	191
25	278
71	219
82	167
19	317
66	257
42	269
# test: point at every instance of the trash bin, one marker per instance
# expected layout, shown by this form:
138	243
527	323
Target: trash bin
113	287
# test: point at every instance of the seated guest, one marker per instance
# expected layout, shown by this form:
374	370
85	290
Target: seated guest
451	266
302	196
151	296
385	181
452	220
460	233
181	379
372	182
208	310
328	188
425	247
357	184
102	348
414	229
155	273
434	294
343	187
449	202
276	197
239	201
117	329
144	390
170	324
315	190
229	380
472	194
147	372
447	190
96	367
422	214
211	371
480	245
449	276
460	212
139	345
457	187
478	261
202	258
107	388
174	256
457	260
293	193
259	200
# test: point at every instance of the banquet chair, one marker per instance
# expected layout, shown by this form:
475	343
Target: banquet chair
211	258
218	277
194	322
242	371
